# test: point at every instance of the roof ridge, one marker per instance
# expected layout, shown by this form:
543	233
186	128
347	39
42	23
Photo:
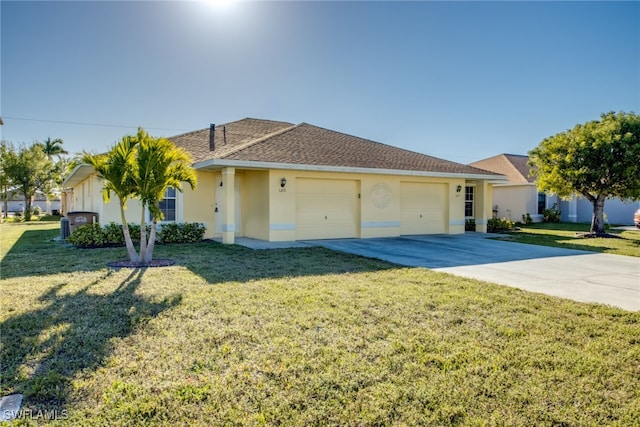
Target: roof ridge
262	120
253	142
227	124
514	167
502	164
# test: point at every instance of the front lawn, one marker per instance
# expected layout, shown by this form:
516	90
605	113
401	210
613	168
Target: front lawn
231	336
568	235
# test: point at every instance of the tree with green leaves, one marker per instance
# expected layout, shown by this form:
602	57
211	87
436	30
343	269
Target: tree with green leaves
28	169
142	167
597	160
5	149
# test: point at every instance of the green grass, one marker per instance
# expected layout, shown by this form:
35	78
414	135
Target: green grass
568	235
231	336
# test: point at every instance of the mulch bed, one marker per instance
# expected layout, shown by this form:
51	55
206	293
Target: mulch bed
125	263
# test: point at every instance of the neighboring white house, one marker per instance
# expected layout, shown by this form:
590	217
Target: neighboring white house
16	203
521	196
579	209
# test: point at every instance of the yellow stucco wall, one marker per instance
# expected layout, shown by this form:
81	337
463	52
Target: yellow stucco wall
110	212
87	196
199	205
255	205
282	206
265	210
456	206
379	202
207	204
483	202
380	206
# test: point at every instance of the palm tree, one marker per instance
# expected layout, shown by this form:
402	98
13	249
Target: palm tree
116	169
160	165
142	167
53	148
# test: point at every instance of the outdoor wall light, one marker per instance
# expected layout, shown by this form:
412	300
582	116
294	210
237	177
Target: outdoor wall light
283	182
458	188
220	183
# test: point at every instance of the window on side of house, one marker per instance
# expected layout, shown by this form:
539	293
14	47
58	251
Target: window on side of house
468	202
168	205
542	203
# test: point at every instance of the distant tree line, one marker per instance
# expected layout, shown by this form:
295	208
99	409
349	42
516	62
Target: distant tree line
27	169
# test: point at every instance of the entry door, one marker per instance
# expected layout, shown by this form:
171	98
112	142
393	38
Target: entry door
423	208
219	204
327	209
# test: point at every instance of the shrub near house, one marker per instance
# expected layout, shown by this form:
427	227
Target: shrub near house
499	224
553	214
110	235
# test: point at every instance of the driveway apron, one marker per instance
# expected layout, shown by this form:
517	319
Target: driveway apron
577	275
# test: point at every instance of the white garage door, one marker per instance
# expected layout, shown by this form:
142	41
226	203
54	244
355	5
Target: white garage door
423	208
327	209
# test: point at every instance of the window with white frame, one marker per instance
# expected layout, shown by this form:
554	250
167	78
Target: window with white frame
168	205
468	202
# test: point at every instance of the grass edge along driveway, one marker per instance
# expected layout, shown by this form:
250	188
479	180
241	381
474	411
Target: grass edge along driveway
298	337
567	235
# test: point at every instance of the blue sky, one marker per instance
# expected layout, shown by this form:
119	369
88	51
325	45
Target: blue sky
457	80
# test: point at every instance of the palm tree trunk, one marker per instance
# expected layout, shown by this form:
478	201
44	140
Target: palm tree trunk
133	255
152	242
143	235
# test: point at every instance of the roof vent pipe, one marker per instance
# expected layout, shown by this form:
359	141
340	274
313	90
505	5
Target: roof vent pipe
212	137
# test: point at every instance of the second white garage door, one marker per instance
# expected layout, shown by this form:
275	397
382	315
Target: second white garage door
424	208
327	209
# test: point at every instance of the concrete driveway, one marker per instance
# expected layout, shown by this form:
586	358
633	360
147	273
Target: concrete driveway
577	275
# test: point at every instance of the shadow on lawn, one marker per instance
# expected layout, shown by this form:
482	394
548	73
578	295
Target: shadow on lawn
45	348
35	252
218	263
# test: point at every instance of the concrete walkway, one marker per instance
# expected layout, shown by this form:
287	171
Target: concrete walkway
577	275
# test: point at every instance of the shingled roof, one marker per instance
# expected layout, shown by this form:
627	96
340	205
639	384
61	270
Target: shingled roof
267	141
228	137
514	166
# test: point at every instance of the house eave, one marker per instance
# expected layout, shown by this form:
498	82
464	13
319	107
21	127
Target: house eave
77	175
516	184
215	164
